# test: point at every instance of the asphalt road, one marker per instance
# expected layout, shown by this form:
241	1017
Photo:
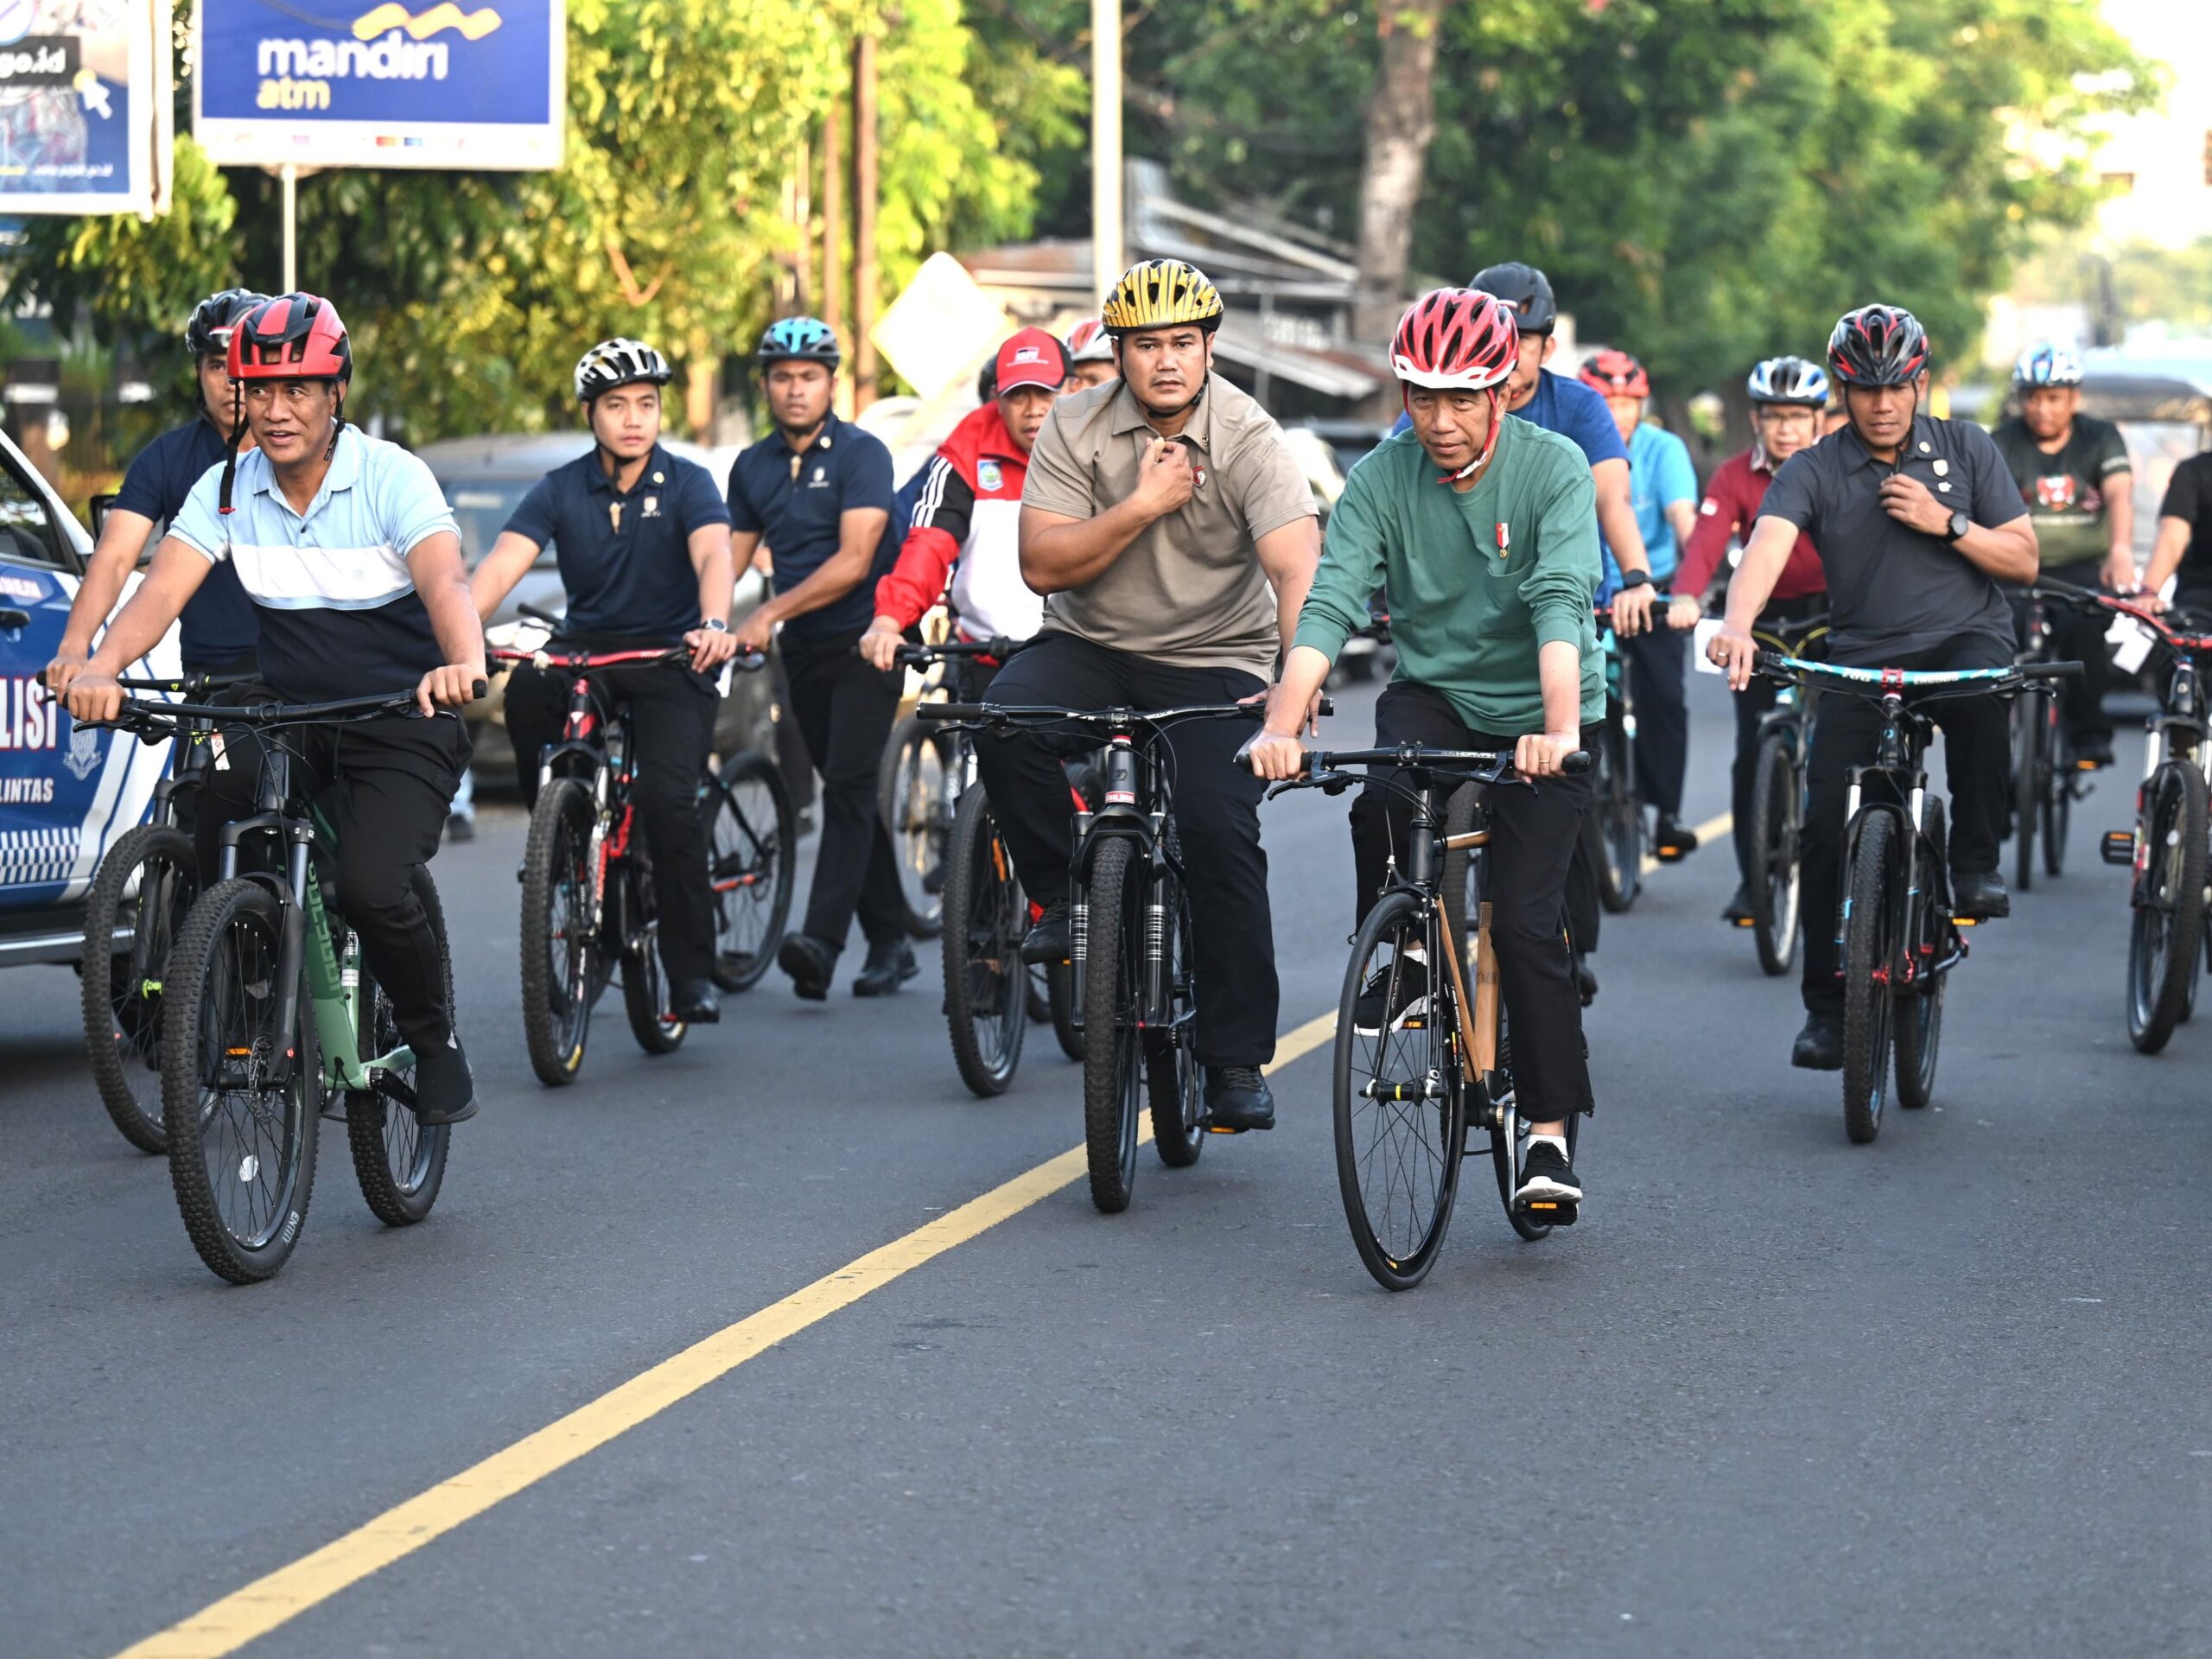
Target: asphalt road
1776	1393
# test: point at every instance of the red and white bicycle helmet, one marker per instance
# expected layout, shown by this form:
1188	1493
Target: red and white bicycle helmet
1611	373
1089	342
292	337
1456	340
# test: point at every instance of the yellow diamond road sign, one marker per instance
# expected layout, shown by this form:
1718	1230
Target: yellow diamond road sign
938	330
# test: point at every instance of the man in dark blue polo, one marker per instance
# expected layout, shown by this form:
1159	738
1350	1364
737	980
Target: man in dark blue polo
818	491
643	539
217	632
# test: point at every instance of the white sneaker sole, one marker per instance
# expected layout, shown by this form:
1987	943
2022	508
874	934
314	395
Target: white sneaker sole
1543	1189
1416	1009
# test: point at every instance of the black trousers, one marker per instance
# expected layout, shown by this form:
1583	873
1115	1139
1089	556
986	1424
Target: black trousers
1217	816
1658	665
845	711
792	757
1584	909
2080	637
385	785
1532	834
1753	703
672	729
1846	731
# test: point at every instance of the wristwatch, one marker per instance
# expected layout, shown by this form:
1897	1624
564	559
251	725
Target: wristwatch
1960	523
1635	579
714	625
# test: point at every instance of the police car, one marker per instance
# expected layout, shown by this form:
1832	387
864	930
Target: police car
65	794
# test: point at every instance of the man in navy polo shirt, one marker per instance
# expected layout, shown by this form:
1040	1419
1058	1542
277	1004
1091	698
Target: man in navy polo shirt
217	630
818	490
643	539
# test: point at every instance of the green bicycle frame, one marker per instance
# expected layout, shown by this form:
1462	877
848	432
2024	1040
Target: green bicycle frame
334	989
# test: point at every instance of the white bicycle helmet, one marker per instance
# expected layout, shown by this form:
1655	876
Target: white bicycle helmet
614	363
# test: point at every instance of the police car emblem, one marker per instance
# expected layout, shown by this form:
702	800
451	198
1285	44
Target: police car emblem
84	756
987	476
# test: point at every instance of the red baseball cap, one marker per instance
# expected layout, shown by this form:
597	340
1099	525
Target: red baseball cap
1032	358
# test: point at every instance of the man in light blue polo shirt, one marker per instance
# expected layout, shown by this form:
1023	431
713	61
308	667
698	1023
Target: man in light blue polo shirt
1662	490
346	548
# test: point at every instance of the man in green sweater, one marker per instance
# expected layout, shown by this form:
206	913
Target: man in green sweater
1490	569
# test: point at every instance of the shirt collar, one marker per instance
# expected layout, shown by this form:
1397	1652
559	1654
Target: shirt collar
825	439
345	472
1129	416
1856	453
595	473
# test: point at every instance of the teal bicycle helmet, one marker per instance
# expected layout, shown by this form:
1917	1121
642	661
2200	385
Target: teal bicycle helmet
804	339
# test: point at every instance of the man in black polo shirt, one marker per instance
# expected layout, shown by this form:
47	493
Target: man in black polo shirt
643	539
2184	544
1918	520
217	632
818	489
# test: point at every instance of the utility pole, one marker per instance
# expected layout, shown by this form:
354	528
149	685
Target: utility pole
1107	254
864	188
833	214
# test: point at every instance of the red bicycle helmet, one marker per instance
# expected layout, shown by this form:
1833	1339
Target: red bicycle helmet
292	337
1615	374
1455	339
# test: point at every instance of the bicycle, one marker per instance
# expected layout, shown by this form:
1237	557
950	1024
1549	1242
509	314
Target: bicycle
269	1016
1778	800
1615	833
1406	1093
1131	978
139	898
588	903
1897	936
2166	851
915	793
2046	779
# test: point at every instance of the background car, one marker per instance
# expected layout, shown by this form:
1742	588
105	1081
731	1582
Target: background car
65	793
484	479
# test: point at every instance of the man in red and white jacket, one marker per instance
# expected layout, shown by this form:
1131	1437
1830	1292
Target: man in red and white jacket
967	522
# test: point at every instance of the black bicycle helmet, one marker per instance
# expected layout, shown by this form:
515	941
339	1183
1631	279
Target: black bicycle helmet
1524	288
1877	345
208	333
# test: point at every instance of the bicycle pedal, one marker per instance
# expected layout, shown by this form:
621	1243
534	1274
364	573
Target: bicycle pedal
1744	921
1670	854
2118	846
1556	1212
1222	1128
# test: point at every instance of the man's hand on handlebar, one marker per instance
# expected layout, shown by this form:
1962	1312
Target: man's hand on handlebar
1274	755
1735	653
452	686
1632	610
67	666
94	695
711	648
1683	614
1543	754
880	644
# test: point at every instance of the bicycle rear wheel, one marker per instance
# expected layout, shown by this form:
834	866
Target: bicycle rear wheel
1399	1098
1873	882
241	1146
1773	880
1059	996
562	965
399	1163
1919	1010
750	835
1113	1053
145	890
645	986
2058	791
1620	823
1171	1065
985	986
2165	932
2028	786
912	794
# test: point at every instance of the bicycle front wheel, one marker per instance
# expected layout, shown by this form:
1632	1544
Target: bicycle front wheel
1171	1065
1873	882
2028	785
1399	1105
2166	930
399	1163
1772	881
242	1144
913	795
2059	778
1112	1016
138	902
1620	823
751	833
985	986
563	972
1919	1012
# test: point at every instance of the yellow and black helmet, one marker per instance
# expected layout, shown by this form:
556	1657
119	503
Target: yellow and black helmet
1158	294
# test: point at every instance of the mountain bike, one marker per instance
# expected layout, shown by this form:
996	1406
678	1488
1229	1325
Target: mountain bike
915	791
1131	976
269	1017
1778	798
1615	834
589	904
140	896
2046	779
1897	936
1407	1092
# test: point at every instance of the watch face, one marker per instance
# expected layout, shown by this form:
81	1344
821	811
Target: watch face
1960	524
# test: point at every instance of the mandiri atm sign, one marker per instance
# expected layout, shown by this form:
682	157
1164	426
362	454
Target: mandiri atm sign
475	86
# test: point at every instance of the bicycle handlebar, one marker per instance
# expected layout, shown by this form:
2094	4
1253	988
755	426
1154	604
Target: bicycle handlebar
922	656
1415	757
992	714
1883	682
139	715
188	683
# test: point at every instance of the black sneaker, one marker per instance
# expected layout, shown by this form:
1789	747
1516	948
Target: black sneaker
694	1001
1049	940
1548	1189
1673	841
1586	979
1819	1047
810	962
1738	912
1979	898
460	827
1238	1098
888	967
1395	994
445	1092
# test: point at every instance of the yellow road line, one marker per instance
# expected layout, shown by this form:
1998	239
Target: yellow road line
224	1626
1711	830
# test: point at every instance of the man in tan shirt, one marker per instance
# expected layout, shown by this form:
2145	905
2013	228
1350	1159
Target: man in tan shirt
1174	537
